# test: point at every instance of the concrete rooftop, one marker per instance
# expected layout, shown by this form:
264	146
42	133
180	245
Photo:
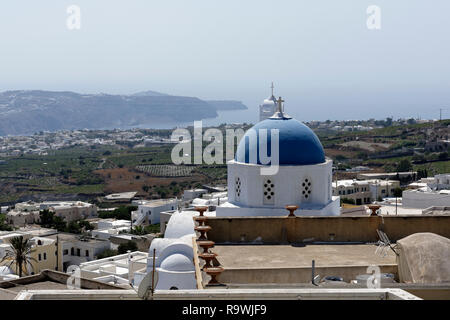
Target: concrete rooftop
292	256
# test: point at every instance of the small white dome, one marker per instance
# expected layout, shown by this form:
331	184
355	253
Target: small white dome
270	102
180	225
177	262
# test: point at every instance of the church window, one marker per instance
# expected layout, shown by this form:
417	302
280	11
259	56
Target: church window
237	186
269	191
306	188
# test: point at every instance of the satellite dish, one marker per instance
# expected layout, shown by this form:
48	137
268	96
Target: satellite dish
146	285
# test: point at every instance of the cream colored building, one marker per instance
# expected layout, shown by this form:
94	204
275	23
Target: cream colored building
28	212
19	218
43	254
72	211
365	191
358	191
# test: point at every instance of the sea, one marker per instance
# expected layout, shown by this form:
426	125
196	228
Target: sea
249	116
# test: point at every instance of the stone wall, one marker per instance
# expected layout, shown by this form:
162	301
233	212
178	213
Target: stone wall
278	230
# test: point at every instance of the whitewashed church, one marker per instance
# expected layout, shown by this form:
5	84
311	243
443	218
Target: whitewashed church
304	176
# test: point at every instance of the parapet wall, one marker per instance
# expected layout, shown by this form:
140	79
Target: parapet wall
328	229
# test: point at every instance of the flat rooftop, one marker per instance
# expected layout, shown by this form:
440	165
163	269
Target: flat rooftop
74	237
121	196
294	256
155	203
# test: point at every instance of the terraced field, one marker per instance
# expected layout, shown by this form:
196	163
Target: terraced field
166	170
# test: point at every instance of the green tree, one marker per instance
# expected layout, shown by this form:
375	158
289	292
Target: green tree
443	156
398	192
121	213
46	218
362	155
141	230
404	166
19	254
107	253
340	157
4	226
347	200
59	224
138	230
85	224
422	173
124	247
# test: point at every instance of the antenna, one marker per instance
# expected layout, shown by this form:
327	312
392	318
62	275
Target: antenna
149	282
314	278
383	244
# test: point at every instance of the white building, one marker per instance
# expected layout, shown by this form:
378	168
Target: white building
110	227
211	199
74	250
117	270
303	177
383	188
435	193
425	197
441	182
149	210
193	193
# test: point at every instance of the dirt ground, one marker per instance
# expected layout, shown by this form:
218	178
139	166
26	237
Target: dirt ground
124	179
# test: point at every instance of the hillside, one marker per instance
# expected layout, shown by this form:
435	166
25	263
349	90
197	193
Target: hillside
26	112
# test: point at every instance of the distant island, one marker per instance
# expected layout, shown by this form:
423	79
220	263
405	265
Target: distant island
30	111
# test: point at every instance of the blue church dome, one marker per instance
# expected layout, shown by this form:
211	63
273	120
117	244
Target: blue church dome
298	144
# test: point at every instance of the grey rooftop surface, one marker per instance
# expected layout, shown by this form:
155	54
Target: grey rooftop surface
276	256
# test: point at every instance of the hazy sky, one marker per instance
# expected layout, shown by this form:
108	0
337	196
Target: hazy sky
324	60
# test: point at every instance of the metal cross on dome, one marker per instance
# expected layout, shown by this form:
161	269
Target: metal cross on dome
279	113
